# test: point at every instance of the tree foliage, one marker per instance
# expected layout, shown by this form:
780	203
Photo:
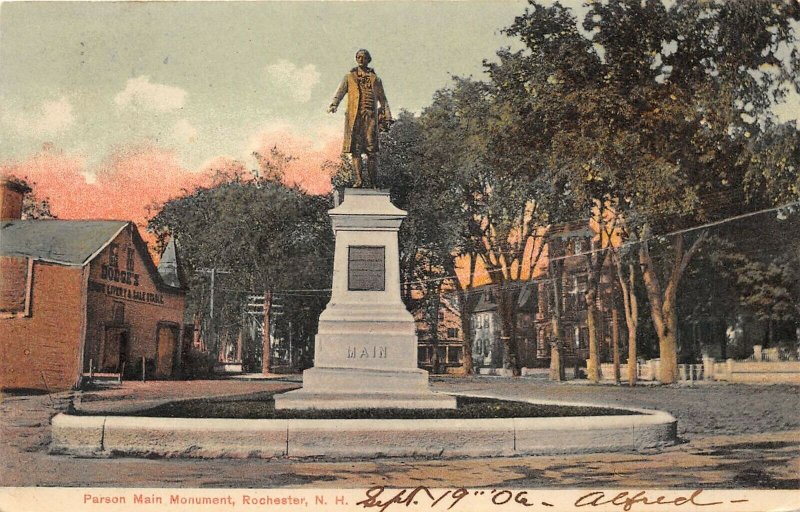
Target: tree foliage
656	113
261	235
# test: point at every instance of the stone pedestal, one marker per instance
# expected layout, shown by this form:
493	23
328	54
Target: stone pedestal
365	352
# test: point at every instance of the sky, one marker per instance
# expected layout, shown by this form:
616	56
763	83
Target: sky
114	107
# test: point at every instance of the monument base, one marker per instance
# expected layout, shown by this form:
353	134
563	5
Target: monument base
365	351
350	388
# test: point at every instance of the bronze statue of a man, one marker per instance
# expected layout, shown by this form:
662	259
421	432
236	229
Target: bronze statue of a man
367	112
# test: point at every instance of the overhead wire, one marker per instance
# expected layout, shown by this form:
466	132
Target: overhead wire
312	292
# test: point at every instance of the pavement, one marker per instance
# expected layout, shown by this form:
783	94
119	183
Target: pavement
733	436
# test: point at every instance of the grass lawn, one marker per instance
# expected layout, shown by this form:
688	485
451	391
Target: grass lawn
262	406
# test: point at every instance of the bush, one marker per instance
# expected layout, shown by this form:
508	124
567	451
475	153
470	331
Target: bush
198	365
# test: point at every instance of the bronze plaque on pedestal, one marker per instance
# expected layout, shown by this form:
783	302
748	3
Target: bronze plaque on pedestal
366	268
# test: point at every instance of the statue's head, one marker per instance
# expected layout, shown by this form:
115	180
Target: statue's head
364	55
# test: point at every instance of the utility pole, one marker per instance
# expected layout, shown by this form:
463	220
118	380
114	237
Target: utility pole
213	274
265	344
290	346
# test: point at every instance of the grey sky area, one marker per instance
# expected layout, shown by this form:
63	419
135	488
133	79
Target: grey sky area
203	78
208	79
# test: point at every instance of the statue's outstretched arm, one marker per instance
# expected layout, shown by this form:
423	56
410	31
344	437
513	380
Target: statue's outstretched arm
337	98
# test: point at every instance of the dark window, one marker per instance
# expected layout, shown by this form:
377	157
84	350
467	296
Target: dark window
119	312
583	337
366	268
422	354
129	262
454	355
452	332
113	255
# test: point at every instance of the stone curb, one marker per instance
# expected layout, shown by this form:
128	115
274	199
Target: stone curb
103	436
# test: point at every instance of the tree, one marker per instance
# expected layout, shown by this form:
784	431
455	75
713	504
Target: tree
657	110
266	237
626	275
498	194
761	270
420	165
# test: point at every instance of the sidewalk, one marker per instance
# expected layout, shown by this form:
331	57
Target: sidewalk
736	436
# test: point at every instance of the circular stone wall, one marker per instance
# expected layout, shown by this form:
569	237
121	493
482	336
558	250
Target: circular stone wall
363	438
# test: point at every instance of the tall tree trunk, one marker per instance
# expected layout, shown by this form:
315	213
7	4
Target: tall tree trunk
663	306
433	311
595	261
197	339
557	372
666	341
240	342
615	339
593	364
463	290
507	312
265	352
631	307
669	344
467	363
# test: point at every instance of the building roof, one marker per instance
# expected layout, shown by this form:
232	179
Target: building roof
485	302
68	242
169	266
78	242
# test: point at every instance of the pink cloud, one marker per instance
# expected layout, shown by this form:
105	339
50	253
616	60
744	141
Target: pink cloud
307	169
133	178
127	182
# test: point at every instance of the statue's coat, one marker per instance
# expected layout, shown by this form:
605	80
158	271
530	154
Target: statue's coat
349	86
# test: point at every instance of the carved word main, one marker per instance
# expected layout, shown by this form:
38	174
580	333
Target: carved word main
366	352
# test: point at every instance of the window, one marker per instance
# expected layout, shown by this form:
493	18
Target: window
423	355
581	337
118	312
16	285
452	332
454	355
113	255
130	260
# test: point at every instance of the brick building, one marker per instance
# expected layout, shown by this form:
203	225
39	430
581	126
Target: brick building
570	245
449	341
80	296
534	308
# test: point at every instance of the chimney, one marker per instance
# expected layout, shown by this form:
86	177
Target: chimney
14	191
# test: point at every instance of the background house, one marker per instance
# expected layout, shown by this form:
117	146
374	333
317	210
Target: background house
449	341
